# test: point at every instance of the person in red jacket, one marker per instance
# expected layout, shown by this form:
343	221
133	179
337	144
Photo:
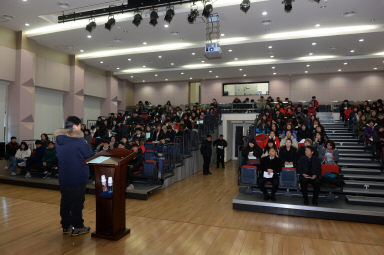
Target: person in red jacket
272	136
315	103
311	110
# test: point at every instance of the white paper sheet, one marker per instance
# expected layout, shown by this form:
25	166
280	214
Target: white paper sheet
98	160
268	175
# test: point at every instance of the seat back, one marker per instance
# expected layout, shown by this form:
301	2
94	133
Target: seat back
288	178
330	168
260	139
149	155
149	146
248	175
300	145
150	168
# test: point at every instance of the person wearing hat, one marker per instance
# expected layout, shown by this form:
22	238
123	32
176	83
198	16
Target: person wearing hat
72	150
220	145
206	151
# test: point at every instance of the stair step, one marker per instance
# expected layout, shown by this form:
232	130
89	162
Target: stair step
355	159
356	154
367	192
345	140
364	184
337	136
363	200
360	164
343	150
354	146
368	171
366	177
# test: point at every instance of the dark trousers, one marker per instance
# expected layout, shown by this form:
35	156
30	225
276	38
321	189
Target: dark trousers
207	162
304	187
38	165
220	158
274	181
71	206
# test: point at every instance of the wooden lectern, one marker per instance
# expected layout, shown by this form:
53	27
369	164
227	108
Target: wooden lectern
110	206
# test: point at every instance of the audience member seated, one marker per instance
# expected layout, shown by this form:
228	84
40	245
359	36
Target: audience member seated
272	137
104	146
378	141
88	137
301	150
270	144
44	140
309	168
11	149
369	131
135	165
288	154
289	135
251	153
36	159
21	156
303	133
329	154
49	160
157	134
270	169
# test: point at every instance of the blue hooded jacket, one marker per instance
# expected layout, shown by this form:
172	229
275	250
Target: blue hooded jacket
72	150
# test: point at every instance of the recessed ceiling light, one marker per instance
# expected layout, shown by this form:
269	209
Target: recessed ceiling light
172	64
27	24
222	35
143	80
166	25
166	79
244	75
132	76
160	56
217	76
375	68
240	69
25	1
193	54
196	66
137	70
306	72
129	59
314	44
273	67
339	70
250	62
156	75
145	43
264	13
274	73
317	25
117	68
210	71
270	47
345	63
308	65
349	14
310	54
271	56
310	58
236	59
202	61
144	66
81	51
361	40
229	50
190	78
89	36
352	51
101	62
181	73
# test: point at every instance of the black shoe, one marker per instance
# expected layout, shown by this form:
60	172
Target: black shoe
315	203
209	173
306	202
205	174
80	231
223	167
67	230
273	198
266	197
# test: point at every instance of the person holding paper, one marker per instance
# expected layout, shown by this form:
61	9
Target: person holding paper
270	169
251	153
206	152
288	154
220	145
309	168
72	150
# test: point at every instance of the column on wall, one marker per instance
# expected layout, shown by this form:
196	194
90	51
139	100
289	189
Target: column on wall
21	94
109	104
74	98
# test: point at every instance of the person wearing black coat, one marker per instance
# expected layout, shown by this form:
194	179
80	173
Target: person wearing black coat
35	161
309	168
251	149
271	165
158	134
287	154
220	145
206	151
304	133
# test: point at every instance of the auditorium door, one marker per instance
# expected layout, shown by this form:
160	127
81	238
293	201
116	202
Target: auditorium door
238	131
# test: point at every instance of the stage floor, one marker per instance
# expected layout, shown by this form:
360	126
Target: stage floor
292	204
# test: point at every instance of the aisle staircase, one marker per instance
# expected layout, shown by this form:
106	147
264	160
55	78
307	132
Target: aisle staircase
363	176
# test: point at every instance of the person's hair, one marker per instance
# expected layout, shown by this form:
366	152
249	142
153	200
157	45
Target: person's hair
13	137
37	142
288	139
72	120
311	148
25	145
45	136
309	141
332	143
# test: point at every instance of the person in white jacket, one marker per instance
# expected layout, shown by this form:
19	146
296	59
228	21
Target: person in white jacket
22	154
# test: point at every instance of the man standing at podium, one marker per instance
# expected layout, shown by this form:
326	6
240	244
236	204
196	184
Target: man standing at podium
72	150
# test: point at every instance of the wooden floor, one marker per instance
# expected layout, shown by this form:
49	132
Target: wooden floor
194	216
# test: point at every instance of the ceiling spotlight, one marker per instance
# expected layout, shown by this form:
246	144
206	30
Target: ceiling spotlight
27	24
145	43
264	13
89	36
217	76
244	75
81	51
345	63
132	76
101	62
137	19
317	25
274	73
240	69
361	40
169	15
110	23
91	26
156	75
208	9
375	68
270	47
193	15
153	18
181	73
229	50
193	54
129	59
287	5
339	70
306	72
352	51
308	65
245	5
172	64
314	44
273	67
160	56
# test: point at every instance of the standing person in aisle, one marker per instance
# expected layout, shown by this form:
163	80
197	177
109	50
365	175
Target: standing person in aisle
206	151
220	145
72	150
